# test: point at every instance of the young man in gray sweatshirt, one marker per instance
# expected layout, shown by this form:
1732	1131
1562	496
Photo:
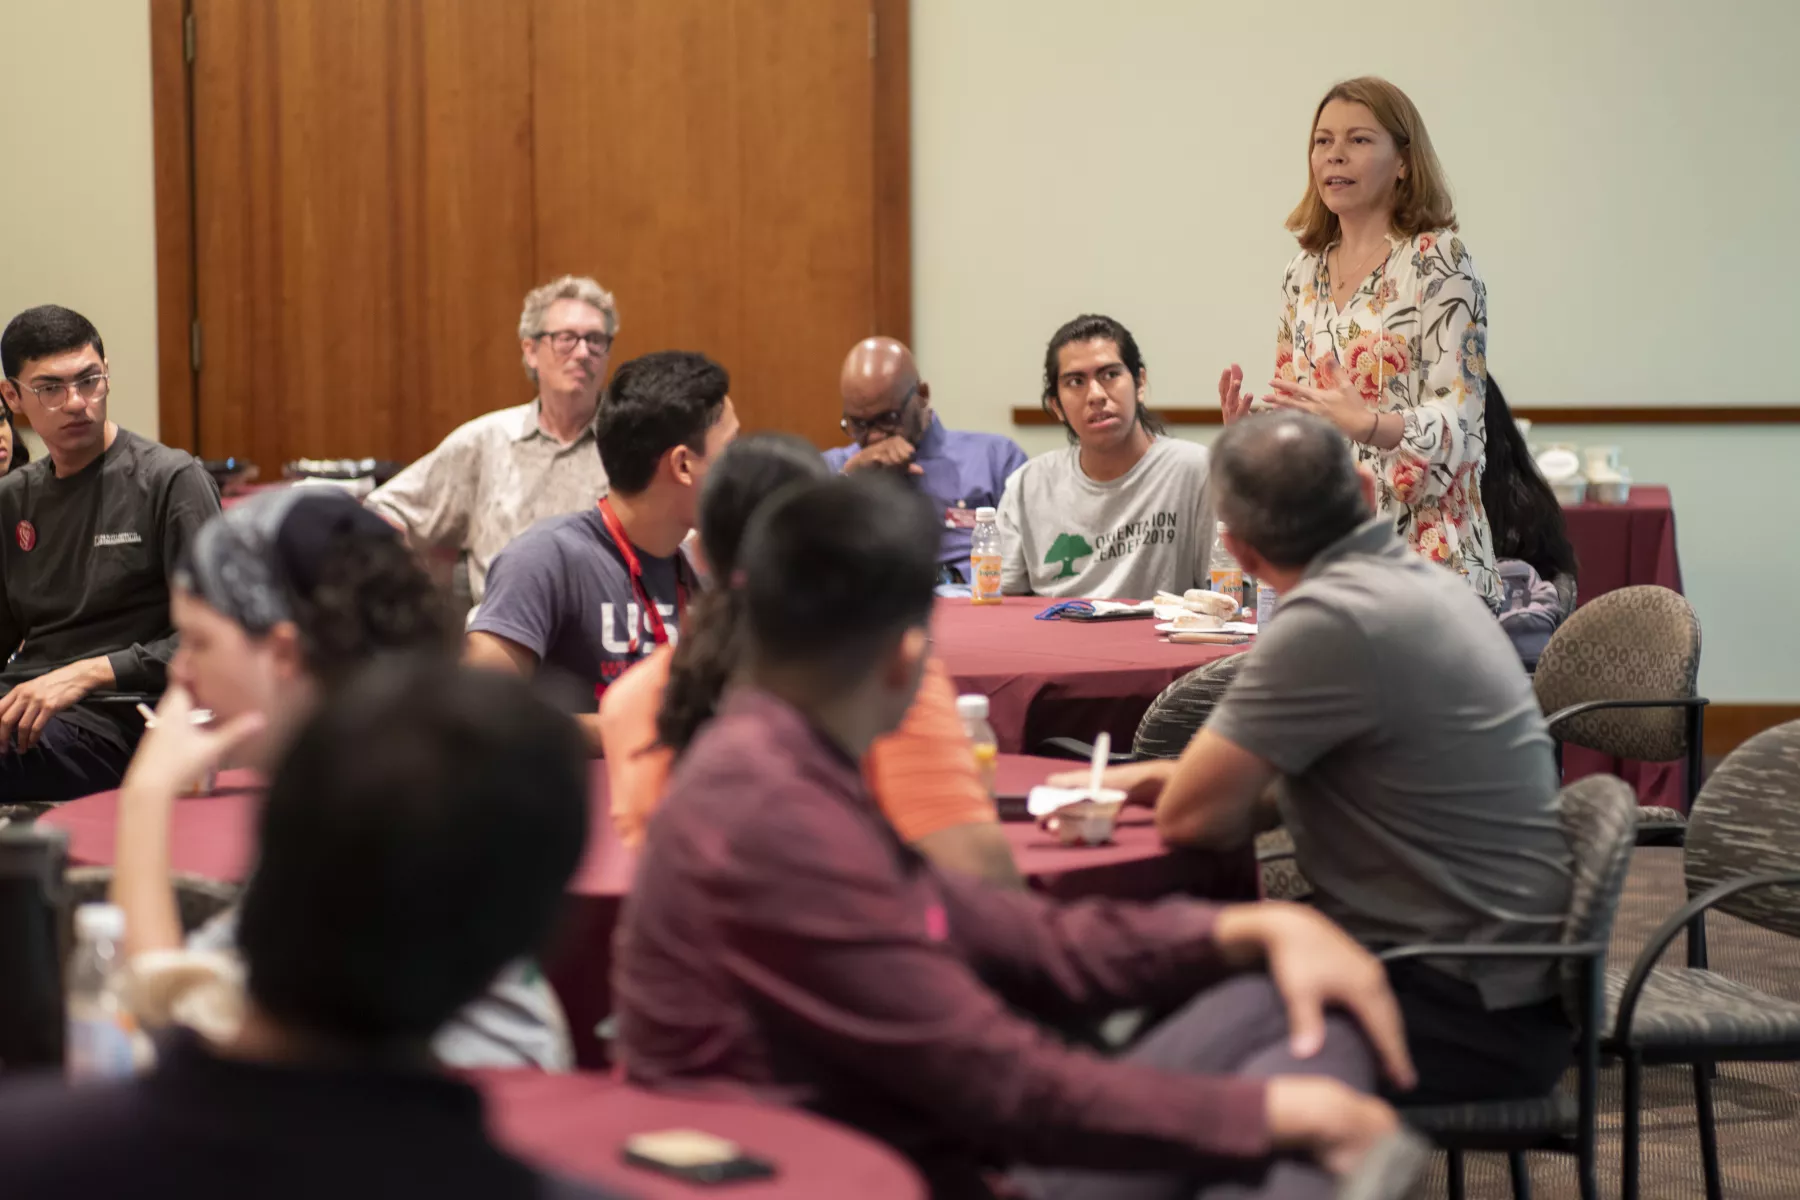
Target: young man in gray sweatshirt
1125	510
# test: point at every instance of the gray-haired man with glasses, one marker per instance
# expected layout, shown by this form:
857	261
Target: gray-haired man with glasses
88	535
887	413
494	477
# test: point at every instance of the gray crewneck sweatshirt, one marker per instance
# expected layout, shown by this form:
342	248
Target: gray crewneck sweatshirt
1064	534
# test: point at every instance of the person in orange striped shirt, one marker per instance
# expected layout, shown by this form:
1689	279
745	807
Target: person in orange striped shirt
923	775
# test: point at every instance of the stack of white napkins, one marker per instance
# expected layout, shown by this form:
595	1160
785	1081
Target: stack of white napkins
1108	608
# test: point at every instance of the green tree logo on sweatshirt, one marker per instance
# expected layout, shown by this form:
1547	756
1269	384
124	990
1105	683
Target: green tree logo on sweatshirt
1066	549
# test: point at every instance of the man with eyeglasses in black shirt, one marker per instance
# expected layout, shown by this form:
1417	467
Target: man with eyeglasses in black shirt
887	413
87	537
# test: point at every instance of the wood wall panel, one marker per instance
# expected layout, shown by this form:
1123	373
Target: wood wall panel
172	183
893	169
364	222
806	270
719	184
376	183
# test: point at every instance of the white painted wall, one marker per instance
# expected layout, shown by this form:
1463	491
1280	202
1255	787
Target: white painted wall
77	222
1624	171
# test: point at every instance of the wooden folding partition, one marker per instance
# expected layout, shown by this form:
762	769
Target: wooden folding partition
354	195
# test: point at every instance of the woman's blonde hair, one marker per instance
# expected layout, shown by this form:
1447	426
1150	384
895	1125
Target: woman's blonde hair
1421	196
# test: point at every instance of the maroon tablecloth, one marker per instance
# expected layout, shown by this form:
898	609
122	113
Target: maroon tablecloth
214	836
577	1125
1623	545
1047	679
1135	865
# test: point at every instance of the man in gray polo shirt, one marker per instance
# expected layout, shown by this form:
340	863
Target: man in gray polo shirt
1386	717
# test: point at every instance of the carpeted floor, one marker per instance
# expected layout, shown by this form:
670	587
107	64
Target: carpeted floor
1758	1104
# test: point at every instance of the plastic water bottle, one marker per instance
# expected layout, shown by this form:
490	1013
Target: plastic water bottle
984	559
1227	576
100	1023
1265	602
974	713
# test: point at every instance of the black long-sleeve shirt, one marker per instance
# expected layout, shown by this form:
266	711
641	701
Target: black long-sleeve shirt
85	562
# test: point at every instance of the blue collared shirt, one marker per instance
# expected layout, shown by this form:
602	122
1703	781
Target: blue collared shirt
963	472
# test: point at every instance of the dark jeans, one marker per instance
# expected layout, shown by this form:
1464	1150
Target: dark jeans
71	758
1239	1027
1465	1052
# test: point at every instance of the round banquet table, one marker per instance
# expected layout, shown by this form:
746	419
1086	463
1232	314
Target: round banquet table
214	836
577	1125
1046	679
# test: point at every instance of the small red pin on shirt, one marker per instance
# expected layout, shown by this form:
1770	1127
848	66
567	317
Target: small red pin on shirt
26	535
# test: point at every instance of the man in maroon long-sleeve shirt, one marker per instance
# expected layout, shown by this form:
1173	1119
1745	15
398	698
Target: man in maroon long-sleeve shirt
781	936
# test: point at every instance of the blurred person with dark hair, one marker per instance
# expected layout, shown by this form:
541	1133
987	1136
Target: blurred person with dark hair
888	415
278	602
780	936
579	598
923	775
14	453
1122	513
1531	538
417	836
493	477
88	535
1384	717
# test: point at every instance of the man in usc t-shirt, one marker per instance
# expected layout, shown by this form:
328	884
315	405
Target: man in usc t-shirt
579	598
87	537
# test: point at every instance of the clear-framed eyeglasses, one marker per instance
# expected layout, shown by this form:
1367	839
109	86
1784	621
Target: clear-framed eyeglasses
54	396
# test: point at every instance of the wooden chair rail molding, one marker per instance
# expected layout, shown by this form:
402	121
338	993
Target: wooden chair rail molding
1685	414
1729	726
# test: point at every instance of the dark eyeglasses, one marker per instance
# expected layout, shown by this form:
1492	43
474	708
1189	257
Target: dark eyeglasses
563	341
890	422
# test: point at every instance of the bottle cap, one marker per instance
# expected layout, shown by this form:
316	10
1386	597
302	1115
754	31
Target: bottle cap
94	921
972	708
984	513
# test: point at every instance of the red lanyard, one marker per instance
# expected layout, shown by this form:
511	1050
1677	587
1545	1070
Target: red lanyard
659	633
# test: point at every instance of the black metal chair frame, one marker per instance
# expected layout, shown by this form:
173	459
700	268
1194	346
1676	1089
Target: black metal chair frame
1696	735
1692	918
1590	958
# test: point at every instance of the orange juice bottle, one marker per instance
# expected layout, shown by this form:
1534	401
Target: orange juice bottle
974	713
984	558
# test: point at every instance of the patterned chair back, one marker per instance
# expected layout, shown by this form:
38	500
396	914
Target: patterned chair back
1746	821
1637	643
1178	713
1599	819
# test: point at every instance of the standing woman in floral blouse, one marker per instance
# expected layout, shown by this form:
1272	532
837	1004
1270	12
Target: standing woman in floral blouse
1384	324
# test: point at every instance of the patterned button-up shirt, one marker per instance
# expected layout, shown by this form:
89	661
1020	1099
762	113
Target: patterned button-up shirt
488	482
1413	340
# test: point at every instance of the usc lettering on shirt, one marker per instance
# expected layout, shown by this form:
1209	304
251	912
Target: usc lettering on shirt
616	638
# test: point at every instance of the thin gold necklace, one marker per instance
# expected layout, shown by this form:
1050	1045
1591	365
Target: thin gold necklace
1385	249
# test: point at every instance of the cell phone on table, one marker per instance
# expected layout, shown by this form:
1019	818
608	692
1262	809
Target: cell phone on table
696	1157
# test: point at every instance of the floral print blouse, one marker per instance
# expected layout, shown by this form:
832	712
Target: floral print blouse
1413	340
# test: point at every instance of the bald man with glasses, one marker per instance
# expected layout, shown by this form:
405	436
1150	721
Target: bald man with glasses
887	413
